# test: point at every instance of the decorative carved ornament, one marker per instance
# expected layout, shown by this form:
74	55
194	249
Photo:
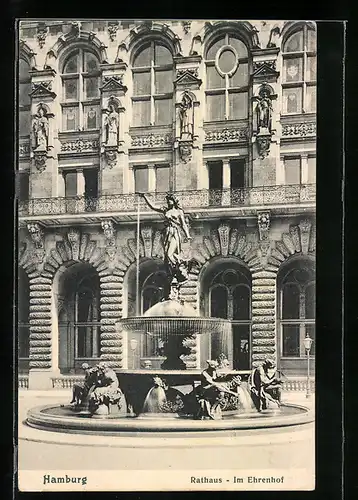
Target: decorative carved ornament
152	141
24	149
113	83
186	26
188	77
305	129
42	89
112	30
265	70
274	35
185	151
110	155
227	135
41	34
74	237
80	146
263	221
263	145
110	236
37	238
147	237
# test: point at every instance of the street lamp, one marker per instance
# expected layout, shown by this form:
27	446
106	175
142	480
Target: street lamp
308	343
133	344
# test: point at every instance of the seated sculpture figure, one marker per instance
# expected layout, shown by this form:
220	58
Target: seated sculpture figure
80	390
106	390
265	386
211	393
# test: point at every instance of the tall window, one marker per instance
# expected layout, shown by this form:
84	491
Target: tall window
297	310
230	294
87	318
153	291
24	98
154	178
292	170
152	86
299	72
23	317
227	79
80	92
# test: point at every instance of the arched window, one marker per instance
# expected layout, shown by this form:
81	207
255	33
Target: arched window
153	289
227	79
23	315
24	98
152	100
299	71
80	91
230	298
87	318
297	310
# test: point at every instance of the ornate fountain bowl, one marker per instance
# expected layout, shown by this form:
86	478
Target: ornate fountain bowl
172	317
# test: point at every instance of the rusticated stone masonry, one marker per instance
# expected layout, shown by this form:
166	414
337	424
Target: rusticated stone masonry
189	293
112	341
40	322
263	315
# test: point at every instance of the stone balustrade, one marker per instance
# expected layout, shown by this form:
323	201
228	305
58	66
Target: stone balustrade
204	198
67	382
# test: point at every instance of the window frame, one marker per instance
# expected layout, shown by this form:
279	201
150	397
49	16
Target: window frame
230	304
302	322
96	347
24	108
303	54
227	90
153	96
80	76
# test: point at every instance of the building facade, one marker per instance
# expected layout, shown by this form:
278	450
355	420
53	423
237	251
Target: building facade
223	113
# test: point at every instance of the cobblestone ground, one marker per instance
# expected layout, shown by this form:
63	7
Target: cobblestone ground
265	449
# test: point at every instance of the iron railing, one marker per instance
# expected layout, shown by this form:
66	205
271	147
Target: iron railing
203	198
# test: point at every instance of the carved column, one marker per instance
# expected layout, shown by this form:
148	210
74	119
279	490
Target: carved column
263	315
114	152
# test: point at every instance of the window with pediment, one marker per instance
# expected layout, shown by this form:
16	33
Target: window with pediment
299	71
152	70
24	97
227	79
80	91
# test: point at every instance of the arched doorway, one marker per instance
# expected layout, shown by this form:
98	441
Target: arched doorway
226	293
77	296
23	338
296	314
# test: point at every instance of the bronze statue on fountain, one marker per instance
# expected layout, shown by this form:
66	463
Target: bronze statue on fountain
175	226
99	393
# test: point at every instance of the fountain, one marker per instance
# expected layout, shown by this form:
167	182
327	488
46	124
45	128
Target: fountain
173	397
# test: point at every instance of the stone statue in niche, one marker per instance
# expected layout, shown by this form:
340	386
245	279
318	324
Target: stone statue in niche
40	130
264	111
112	125
185	116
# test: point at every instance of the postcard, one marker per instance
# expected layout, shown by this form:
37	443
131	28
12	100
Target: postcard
166	181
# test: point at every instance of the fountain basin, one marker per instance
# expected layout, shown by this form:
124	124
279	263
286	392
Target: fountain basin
58	418
135	384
